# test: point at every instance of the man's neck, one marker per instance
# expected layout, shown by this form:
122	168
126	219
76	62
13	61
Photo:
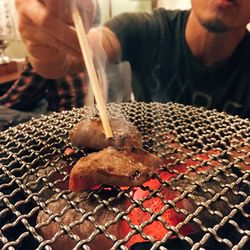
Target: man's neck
209	47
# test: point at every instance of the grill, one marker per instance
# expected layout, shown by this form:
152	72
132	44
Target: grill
210	198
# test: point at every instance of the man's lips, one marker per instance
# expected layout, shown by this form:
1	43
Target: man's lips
225	3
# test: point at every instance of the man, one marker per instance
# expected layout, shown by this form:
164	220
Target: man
198	57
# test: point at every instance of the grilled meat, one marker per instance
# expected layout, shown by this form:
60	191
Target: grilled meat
84	204
90	134
111	166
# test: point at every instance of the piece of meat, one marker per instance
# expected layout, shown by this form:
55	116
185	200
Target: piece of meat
89	212
200	192
90	134
111	166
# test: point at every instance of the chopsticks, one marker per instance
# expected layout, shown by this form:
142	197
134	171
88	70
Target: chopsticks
87	57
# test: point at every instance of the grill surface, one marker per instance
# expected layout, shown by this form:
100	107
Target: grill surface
32	154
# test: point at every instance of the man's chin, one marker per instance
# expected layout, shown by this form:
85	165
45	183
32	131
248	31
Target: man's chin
214	26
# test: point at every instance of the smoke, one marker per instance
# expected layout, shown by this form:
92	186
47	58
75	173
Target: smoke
115	79
119	79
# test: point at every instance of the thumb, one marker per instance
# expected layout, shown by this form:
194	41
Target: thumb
88	12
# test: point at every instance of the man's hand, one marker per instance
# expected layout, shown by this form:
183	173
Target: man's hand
47	30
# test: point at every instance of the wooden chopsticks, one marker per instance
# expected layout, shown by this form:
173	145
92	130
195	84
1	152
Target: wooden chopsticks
86	53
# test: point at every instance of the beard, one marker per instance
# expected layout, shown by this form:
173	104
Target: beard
214	26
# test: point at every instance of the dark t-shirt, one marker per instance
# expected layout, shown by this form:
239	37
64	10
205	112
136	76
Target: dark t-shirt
164	68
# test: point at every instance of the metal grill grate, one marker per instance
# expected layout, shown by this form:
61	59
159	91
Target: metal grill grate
211	197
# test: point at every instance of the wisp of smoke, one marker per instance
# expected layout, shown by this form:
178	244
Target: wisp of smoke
115	79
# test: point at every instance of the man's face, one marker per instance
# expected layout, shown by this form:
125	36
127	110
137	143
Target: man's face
222	15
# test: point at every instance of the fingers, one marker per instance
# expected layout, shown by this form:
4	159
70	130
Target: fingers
87	11
62	10
45	17
44	27
43	39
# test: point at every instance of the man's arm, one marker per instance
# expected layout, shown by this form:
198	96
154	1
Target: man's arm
111	45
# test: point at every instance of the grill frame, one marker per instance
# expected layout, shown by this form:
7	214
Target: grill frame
40	143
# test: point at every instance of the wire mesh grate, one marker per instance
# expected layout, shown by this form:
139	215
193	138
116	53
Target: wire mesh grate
198	199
